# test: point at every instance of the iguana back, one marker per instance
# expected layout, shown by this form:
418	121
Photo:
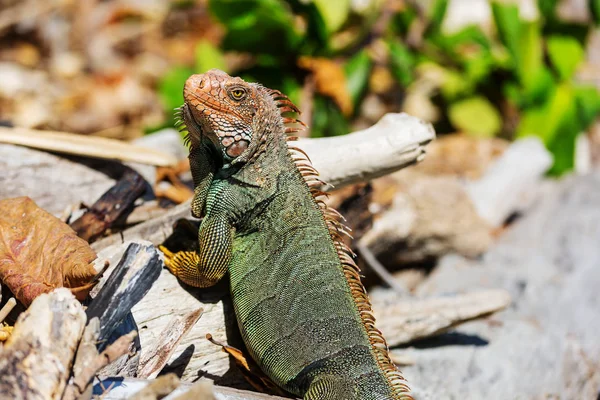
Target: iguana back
301	308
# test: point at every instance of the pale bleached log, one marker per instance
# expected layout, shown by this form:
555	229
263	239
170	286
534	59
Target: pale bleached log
53	182
394	142
410	319
546	344
35	362
511	182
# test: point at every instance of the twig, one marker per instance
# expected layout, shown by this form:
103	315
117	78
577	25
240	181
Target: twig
90	146
380	269
115	202
118	348
10	304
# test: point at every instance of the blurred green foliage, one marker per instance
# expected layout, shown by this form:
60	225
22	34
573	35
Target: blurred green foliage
516	82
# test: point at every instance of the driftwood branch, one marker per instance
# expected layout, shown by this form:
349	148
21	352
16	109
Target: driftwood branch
410	319
510	184
396	141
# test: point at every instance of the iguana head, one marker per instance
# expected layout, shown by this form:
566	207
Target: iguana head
236	116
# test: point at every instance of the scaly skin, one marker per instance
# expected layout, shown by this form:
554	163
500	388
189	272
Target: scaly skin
301	309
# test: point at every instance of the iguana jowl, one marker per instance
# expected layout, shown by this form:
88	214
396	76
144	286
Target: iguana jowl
302	311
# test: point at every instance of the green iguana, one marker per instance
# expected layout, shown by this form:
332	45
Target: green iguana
301	308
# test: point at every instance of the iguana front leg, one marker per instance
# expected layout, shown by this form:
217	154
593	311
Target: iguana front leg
203	170
206	267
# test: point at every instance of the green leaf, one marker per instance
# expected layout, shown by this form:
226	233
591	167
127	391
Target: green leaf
563	147
476	116
258	26
547	8
334	13
402	62
530	60
539	86
437	13
170	87
292	89
357	71
547	118
558	124
594	6
401	21
588	104
566	54
478	66
327	119
208	57
455	85
508	25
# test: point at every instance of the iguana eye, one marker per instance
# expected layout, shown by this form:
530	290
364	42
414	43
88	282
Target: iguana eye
238	94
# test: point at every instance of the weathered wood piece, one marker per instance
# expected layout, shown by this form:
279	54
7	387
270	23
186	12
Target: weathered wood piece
114	203
546	344
202	390
157	388
429	217
129	281
35	361
91	363
155	230
10	304
84	359
53	182
154	359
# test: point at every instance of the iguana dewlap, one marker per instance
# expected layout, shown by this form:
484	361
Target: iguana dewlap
302	311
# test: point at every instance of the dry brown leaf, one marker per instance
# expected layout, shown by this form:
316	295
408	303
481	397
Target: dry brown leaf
330	80
39	252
